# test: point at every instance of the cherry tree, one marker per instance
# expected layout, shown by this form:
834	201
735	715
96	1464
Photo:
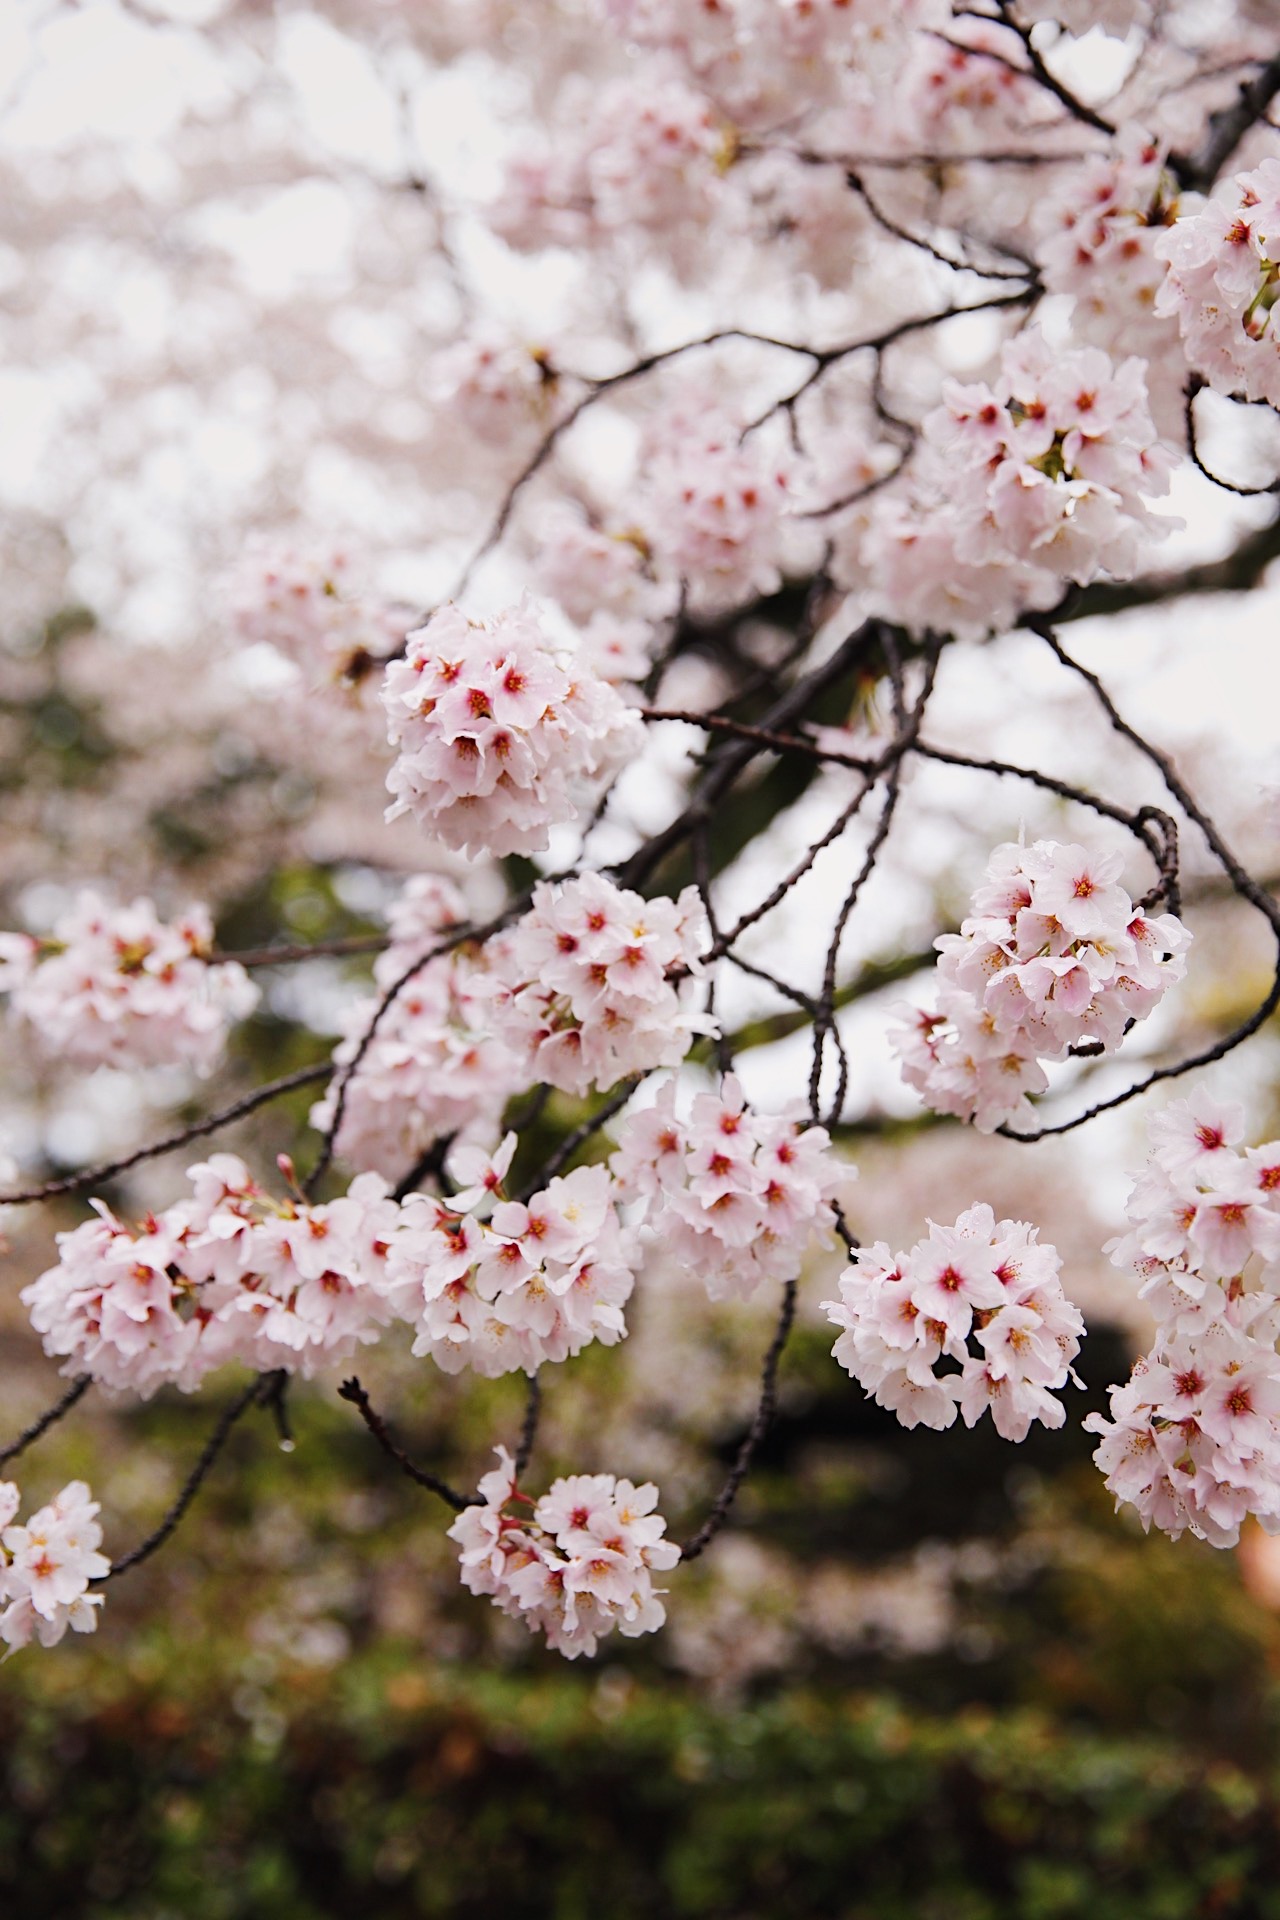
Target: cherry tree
579	474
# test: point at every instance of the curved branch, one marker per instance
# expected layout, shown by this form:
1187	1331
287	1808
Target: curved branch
213	1446
352	1390
107	1170
1194	387
761	1421
51	1415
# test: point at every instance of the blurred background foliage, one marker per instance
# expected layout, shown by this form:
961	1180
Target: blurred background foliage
924	1676
921	1677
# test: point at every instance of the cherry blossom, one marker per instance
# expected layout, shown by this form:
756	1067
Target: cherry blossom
574	1565
119	986
494	387
46	1567
1055	955
983	1296
434	1065
742	361
228	1275
500	734
643	153
1098	230
1193	1438
535	1281
732	1196
307	600
590	569
712	506
594	983
1018	486
1223	279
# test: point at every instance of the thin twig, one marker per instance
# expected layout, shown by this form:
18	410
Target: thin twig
1076	107
761	1421
283	956
247	1103
1194	387
529	1428
51	1415
256	1391
352	1390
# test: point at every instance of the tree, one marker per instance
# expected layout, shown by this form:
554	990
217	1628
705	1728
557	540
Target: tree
860	350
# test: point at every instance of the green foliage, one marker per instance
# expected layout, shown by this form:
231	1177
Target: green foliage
397	1789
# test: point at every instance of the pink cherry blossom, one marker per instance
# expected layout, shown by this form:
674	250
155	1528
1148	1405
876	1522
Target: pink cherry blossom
984	1293
500	735
1223	279
1193	1437
732	1196
578	1565
119	986
534	1282
1054	954
46	1567
594	983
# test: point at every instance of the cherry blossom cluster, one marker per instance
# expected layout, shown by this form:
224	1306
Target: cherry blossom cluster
590	569
500	734
1097	242
766	59
1020	486
227	1275
118	986
732	1196
982	1296
959	91
533	1282
574	1565
640	154
1224	279
1193	1441
713	506
309	602
433	1066
493	386
1054	956
46	1567
595	983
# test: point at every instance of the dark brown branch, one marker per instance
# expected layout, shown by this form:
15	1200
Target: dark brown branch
529	1427
50	1417
248	1103
283	956
1134	822
761	736
825	1023
581	1134
352	1390
1077	108
1025	271
254	1392
1218	1051
761	1421
1194	387
1227	128
822	358
430	1162
1243	883
932	162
